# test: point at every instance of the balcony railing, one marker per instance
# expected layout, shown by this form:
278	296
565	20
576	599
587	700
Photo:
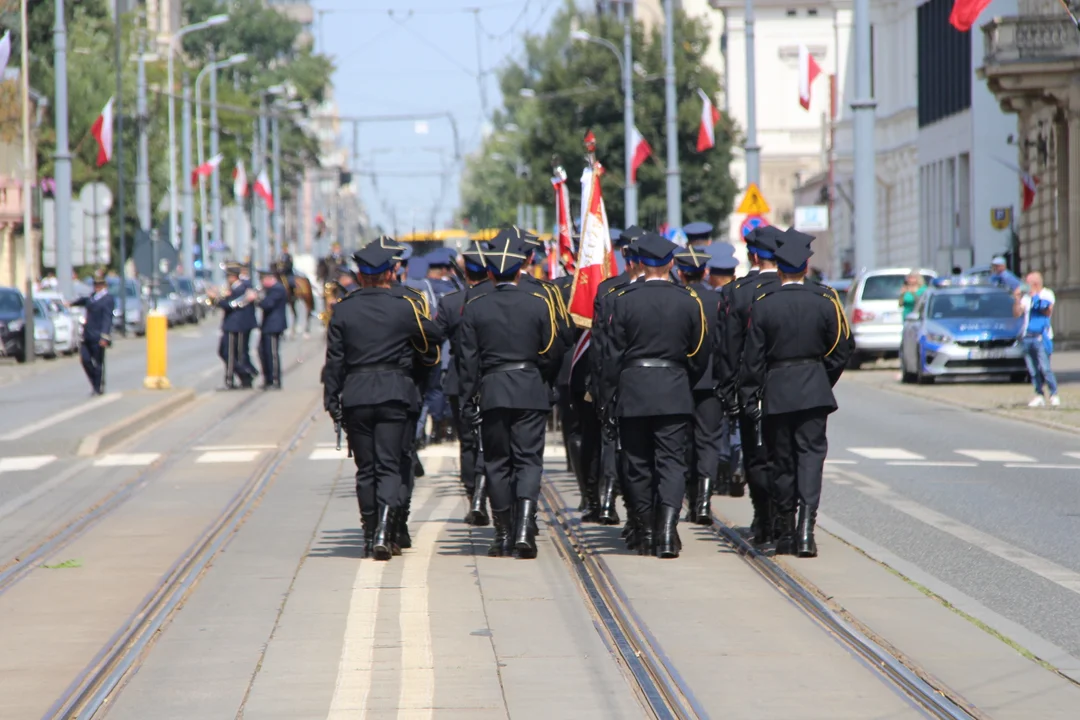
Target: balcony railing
1030	39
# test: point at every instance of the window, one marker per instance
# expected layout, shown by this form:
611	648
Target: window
792	13
944	64
812	12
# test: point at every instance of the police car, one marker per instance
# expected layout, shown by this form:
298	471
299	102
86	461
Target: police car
962	326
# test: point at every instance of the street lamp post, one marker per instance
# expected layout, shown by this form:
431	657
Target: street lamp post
187	259
674	179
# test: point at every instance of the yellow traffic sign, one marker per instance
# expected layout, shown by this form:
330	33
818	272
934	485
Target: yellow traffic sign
753	203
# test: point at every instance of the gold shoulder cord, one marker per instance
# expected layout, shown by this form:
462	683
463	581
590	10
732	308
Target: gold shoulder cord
839	326
422	299
704	322
563	312
551	317
417	313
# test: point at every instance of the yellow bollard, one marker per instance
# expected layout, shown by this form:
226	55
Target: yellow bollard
157	326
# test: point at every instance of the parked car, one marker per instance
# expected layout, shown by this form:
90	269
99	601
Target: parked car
189	303
11	324
962	329
873	310
134	305
44	331
202	297
67	324
169	302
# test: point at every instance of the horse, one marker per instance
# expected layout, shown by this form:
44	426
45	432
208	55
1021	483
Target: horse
301	290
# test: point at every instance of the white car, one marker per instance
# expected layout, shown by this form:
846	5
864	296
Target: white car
874	312
66	323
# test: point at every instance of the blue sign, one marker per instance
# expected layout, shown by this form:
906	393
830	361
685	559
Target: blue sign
752	222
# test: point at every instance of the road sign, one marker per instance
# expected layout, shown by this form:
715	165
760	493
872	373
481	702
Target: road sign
752	222
753	203
812	218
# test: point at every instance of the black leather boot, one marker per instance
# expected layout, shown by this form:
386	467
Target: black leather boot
763	524
501	545
525	528
401	527
608	514
369	520
667	536
646	533
692	489
382	547
478	515
737	485
417	466
704	502
722	486
785	533
629	533
591	513
805	545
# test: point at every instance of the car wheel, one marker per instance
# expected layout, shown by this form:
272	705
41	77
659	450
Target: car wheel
906	376
923	378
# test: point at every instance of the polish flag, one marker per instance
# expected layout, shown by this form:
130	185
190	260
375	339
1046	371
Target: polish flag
1030	186
642	151
239	176
563	254
966	12
808	72
706	136
206	169
595	261
102	131
262	189
5	51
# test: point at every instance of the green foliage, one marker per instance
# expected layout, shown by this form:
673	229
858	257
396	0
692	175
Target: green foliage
578	87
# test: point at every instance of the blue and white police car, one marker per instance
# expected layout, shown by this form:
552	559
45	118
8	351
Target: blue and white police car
962	326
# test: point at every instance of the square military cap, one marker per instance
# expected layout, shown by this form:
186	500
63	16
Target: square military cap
655	250
722	259
793	255
627	235
374	259
525	236
440	258
691	259
764	241
698	230
474	259
504	254
793	235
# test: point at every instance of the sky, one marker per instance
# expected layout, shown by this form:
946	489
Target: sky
396	57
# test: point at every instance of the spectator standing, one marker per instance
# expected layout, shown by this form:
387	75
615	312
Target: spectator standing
1001	276
914	287
1036	307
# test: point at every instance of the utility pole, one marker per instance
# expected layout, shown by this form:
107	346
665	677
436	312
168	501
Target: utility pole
120	174
674	187
255	248
215	177
28	183
62	158
279	209
187	221
630	196
264	214
752	149
863	107
142	170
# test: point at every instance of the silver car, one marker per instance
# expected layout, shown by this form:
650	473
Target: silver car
68	325
874	313
44	331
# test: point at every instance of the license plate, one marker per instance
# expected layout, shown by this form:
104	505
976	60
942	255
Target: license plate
986	354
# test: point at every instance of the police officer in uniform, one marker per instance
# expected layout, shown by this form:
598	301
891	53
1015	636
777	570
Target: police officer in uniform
796	349
373	338
448	320
97	333
698	235
273	303
236	327
658	352
509	355
708	412
729	474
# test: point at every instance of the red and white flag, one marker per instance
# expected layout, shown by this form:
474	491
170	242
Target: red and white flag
563	257
1029	184
966	12
642	151
808	72
239	180
102	130
595	261
706	136
206	169
262	189
5	52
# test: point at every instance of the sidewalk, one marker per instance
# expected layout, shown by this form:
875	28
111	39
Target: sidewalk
994	395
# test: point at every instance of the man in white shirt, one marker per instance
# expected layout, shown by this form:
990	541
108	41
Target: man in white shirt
1036	308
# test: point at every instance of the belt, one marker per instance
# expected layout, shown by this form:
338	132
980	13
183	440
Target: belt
653	363
794	362
377	367
510	367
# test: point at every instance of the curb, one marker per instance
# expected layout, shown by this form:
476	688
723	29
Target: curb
107	437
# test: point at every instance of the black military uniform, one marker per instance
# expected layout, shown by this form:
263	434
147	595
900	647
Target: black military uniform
730	479
708	411
236	327
509	355
97	333
373	338
273	304
735	303
796	348
448	319
655	352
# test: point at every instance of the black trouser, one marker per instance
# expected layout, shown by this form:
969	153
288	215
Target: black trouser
798	445
513	455
408	444
234	351
656	450
270	357
708	437
375	436
93	362
588	424
756	462
469	449
569	420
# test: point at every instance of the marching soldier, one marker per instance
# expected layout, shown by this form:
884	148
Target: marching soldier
373	337
273	304
97	333
698	235
448	320
236	327
797	347
509	354
740	296
730	478
653	358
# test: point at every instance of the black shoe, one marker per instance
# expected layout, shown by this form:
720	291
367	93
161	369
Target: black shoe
762	527
592	505
525	528
370	521
704	502
691	501
382	546
805	545
247	382
477	515
785	534
667	537
722	486
737	486
401	528
501	545
417	466
646	533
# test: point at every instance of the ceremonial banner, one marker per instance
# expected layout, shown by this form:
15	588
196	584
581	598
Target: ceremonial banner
595	261
563	243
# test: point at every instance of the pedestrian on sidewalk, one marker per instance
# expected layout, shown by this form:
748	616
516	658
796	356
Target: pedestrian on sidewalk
97	334
1036	307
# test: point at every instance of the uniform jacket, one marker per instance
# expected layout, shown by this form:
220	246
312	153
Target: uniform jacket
728	346
510	324
448	320
375	326
273	305
655	320
99	316
605	293
238	319
710	301
565	286
797	346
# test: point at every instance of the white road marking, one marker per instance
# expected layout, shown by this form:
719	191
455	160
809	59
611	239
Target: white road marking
26	462
931	463
235	447
356	667
829	461
1002	456
417	694
228	456
837	481
886	454
63	416
1072	454
126	460
1042	466
330	453
1046	569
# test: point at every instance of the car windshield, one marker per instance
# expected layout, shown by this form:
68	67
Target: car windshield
990	305
10	303
55	306
886	287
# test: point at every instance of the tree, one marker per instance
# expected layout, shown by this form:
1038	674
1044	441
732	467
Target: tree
576	86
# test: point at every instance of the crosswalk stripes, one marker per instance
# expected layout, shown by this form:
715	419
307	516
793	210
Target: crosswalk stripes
886	454
25	462
227	456
127	460
992	456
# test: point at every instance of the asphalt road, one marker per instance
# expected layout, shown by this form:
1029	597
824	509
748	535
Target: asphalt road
984	506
